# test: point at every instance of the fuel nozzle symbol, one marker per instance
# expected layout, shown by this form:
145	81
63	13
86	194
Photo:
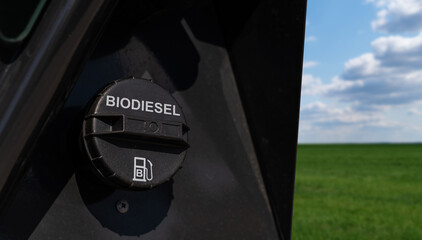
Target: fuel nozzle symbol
135	135
142	171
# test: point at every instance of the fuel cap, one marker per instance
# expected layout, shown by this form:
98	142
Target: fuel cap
135	134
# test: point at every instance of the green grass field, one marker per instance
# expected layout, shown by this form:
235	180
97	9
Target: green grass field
355	192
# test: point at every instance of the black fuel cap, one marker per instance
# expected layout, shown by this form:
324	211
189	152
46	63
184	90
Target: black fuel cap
135	134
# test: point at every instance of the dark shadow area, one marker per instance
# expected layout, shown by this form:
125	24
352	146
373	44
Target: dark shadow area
145	145
146	209
53	165
234	27
266	52
51	169
17	20
216	195
154	30
168	41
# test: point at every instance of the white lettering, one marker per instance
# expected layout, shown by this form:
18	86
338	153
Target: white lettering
122	103
139	173
110	101
142	105
134	102
174	111
158	107
148	106
167	109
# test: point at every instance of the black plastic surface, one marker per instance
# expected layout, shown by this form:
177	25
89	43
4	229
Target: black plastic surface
17	19
265	42
135	134
35	86
219	193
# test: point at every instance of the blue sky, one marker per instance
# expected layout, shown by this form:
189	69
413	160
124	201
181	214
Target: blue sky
362	76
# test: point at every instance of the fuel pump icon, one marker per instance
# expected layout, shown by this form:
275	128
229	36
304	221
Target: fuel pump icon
142	169
122	136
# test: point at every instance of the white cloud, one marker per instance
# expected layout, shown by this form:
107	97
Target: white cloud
389	76
397	16
309	64
399	52
362	66
397	44
378	96
322	114
311	85
339	85
320	122
372	86
311	39
414	111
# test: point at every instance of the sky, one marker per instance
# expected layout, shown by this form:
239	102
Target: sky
362	75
